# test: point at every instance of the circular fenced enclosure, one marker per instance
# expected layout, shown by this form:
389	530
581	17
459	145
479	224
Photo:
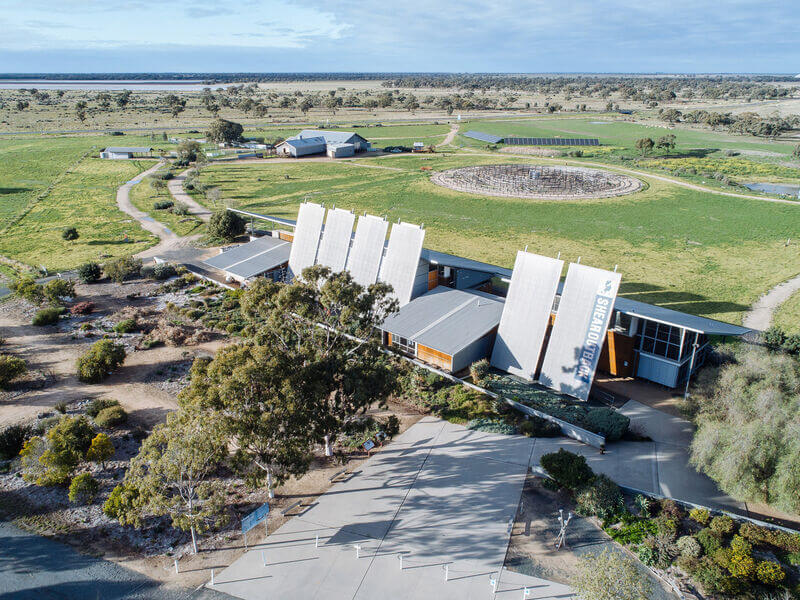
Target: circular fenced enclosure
537	181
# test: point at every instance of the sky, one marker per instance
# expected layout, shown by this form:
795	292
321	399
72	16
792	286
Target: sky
515	36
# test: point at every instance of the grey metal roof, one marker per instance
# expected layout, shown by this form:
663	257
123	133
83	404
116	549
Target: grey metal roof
123	149
673	317
253	258
446	319
459	262
297	142
484	137
330	137
278	220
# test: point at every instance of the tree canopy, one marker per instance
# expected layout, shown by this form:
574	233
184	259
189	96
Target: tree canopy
222	130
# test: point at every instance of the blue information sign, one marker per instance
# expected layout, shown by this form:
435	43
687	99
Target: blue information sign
369	445
255	517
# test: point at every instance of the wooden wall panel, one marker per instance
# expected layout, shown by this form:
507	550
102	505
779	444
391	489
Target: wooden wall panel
434	357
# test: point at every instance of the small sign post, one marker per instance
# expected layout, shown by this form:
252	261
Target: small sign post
253	519
368	446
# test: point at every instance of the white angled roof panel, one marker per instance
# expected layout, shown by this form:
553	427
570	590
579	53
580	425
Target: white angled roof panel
579	331
534	282
306	237
402	259
336	238
364	260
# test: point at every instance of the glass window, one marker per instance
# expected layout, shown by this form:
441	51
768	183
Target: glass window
661	340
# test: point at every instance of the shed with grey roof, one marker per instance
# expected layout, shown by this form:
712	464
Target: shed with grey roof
126	152
301	146
446	327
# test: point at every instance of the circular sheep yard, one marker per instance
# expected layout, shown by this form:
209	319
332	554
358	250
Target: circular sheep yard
537	181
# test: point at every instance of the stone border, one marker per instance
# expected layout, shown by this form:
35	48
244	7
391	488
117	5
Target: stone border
620	185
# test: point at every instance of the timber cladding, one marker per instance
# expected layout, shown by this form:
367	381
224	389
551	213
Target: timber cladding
434	357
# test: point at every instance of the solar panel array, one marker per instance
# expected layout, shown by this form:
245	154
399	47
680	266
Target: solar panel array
399	266
529	141
484	137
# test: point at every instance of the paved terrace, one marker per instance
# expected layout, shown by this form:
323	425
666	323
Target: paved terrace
438	495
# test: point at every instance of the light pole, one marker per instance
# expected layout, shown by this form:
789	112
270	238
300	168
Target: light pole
560	540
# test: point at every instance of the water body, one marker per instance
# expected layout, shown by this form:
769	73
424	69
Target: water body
142	85
780	189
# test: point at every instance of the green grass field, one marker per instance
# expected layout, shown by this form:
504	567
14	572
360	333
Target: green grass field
691	251
788	315
84	198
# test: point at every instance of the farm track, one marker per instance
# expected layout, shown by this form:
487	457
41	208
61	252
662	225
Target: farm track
760	314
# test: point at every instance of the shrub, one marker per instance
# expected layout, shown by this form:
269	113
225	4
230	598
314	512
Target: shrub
666	527
642	504
126	326
61	407
601	497
57	289
12	438
180	209
722	525
101	449
479	370
89	272
123	268
741	545
69	234
225	225
569	470
83	489
11	367
633	533
52	459
689	546
82	308
647	554
391	426
46	316
111	417
709	540
163	204
98	404
607	422
701	515
769	573
28	289
670	509
101	359
741	565
491	426
163	271
710	576
788	542
120	504
538	427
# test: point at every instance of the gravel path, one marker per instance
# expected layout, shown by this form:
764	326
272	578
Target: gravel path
175	187
760	314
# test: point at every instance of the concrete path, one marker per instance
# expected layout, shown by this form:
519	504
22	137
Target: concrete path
175	187
760	314
439	495
36	568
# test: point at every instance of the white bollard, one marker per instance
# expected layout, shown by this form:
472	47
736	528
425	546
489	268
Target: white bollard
526	592
263	558
447	573
358	550
316	542
493	583
212	576
176	566
400	556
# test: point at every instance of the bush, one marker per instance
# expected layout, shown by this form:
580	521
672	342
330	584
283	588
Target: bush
666	527
98	404
180	209
82	308
774	337
225	225
11	367
46	316
601	497
57	289
69	234
163	271
671	509
11	440
701	515
391	427
61	407
491	426
126	326
123	268
83	489
710	576
111	417
788	542
607	422
101	359
689	546
163	204
567	469
647	554
769	573
122	499
479	370
89	272
709	540
28	289
642	504
538	427
722	525
633	533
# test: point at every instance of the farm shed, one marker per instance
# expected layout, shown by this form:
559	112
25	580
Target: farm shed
301	146
446	327
340	150
126	152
